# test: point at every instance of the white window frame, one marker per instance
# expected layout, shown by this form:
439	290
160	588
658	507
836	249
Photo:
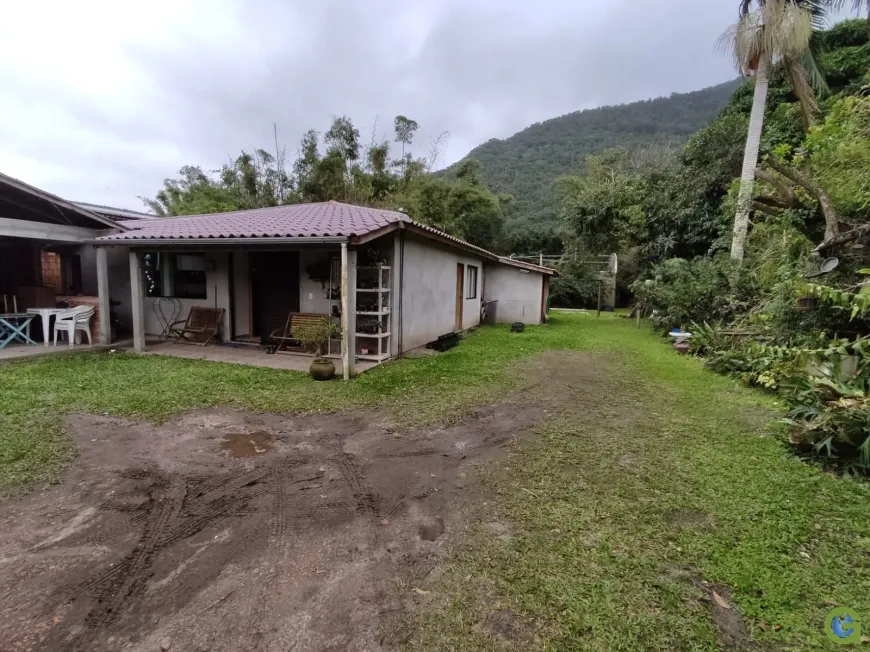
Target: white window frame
471	283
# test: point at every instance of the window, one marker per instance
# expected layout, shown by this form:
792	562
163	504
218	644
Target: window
470	282
181	276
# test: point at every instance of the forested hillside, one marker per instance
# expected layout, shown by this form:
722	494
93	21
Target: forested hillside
526	164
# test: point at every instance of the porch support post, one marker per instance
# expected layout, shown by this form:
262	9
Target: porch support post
137	285
103	294
351	310
395	295
345	314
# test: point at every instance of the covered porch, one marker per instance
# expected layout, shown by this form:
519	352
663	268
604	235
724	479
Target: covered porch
260	291
47	266
235	353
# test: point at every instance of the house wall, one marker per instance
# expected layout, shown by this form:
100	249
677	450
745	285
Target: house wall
51	274
429	292
518	294
218	292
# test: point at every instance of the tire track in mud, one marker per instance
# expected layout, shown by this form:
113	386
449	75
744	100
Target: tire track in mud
274	499
180	508
367	500
113	594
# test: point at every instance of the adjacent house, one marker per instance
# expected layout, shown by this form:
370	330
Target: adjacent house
392	284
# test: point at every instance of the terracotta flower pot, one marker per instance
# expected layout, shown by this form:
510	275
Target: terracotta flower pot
321	369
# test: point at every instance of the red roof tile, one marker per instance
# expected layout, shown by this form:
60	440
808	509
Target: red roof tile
326	219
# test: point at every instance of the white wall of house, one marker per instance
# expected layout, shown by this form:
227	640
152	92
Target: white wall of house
429	292
217	295
519	294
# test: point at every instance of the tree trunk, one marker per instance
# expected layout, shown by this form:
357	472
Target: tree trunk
750	161
807	182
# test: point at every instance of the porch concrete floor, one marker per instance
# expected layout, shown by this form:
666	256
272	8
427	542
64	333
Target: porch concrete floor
241	354
19	351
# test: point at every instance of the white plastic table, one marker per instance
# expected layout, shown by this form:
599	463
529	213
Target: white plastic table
45	314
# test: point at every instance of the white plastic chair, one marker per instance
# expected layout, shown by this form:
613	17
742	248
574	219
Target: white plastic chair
72	320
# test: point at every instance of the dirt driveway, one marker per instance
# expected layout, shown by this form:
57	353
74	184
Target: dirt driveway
225	530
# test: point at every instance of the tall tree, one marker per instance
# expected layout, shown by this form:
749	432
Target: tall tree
405	130
776	29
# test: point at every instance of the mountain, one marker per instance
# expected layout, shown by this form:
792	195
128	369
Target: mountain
526	164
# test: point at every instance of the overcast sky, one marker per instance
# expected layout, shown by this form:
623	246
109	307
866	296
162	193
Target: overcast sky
101	100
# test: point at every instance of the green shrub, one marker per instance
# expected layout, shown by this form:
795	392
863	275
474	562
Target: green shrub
847	33
758	364
831	417
681	292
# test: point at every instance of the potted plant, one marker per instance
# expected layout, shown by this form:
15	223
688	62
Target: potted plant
314	337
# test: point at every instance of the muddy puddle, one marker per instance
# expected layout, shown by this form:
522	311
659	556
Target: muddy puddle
248	444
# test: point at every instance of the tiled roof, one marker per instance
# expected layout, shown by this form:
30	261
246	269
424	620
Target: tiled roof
325	219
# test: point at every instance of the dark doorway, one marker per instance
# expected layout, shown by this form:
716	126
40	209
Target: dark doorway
274	289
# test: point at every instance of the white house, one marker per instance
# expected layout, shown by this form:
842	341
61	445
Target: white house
395	284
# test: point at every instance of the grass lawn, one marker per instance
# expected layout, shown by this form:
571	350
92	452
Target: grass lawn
617	514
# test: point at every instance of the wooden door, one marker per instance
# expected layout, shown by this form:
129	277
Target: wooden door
545	294
460	294
274	289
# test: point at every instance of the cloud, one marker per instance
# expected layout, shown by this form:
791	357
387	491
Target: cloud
103	100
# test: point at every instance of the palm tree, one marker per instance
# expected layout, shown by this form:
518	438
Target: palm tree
776	30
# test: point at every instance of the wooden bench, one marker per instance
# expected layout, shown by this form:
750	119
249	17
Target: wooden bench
201	326
282	337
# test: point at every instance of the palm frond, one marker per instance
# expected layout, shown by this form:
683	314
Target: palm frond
815	78
819	9
857	5
779	28
788	28
806	98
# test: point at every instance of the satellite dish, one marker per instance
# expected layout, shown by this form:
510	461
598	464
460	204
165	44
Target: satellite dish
612	264
828	265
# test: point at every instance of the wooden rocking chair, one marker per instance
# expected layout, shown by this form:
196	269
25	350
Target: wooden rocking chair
282	337
202	326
